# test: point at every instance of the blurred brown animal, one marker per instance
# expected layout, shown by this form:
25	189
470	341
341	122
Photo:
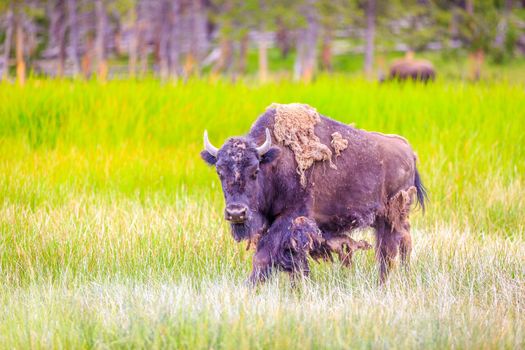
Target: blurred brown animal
410	68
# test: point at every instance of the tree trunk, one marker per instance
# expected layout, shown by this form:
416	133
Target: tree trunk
226	45
263	57
100	42
198	43
61	54
164	37
503	25
299	56
7	42
243	55
370	34
476	63
225	57
20	41
282	37
143	53
311	52
73	36
469	6
326	51
478	57
306	60
133	44
57	32
87	57
174	40
508	5
142	44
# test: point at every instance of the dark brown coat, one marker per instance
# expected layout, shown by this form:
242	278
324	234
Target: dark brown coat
371	185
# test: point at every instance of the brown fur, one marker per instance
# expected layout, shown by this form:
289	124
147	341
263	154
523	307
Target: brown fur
372	186
408	68
305	230
345	247
343	202
399	207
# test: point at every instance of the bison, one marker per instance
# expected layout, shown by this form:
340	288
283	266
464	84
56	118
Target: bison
279	172
417	70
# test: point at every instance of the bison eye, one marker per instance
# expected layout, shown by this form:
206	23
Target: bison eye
254	174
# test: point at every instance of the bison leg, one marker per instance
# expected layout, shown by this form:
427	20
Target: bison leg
397	216
387	246
389	243
393	232
298	240
405	246
279	249
261	266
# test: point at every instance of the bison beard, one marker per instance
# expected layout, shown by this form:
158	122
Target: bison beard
239	231
251	229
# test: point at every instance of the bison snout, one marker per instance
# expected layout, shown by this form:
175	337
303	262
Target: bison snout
236	213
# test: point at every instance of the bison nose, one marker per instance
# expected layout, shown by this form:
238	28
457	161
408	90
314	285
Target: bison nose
236	213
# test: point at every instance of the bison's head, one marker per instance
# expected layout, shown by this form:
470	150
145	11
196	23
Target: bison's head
238	163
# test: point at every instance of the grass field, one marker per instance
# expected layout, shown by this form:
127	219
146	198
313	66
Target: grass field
111	230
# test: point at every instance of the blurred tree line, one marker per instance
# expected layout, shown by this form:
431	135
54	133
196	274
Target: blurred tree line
176	39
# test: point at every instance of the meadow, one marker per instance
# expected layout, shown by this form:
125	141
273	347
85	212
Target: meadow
111	229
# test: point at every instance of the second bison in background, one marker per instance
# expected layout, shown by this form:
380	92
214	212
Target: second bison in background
409	68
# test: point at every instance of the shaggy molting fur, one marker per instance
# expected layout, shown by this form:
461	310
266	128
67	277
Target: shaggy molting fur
339	144
294	128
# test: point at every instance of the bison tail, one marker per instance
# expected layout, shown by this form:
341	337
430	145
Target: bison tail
421	191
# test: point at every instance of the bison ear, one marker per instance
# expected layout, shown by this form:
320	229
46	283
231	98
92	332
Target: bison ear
208	158
272	154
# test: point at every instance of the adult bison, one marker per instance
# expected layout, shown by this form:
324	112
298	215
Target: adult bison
408	68
295	163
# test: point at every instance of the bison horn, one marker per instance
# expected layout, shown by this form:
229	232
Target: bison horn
262	149
208	146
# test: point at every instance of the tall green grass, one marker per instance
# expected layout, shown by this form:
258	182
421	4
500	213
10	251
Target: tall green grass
111	233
